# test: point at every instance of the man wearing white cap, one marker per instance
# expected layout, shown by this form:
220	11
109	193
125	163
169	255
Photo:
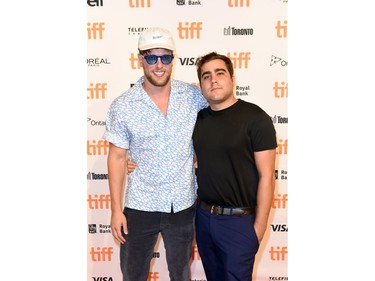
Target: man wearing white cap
152	125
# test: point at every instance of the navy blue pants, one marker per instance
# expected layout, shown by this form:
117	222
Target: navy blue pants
177	230
227	246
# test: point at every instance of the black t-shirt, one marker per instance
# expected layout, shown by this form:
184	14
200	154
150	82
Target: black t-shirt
225	142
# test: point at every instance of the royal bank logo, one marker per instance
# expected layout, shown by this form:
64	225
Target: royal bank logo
189	2
101	228
92	228
242	90
234	31
97	61
281	174
278	61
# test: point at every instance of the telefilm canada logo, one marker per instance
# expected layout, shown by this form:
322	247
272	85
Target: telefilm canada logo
136	30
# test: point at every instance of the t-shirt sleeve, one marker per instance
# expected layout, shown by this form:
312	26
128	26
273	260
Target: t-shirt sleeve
263	133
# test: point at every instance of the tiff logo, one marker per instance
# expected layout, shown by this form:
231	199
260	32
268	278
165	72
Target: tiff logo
279	202
134	62
101	201
139	3
241	60
281	91
101	254
153	275
238	3
95	31
278	253
96	92
282	30
190	30
99	147
282	147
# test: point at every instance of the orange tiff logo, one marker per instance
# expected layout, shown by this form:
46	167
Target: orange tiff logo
278	253
240	60
282	30
101	201
139	3
95	31
279	201
153	275
191	30
101	254
282	147
238	3
99	147
96	92
281	91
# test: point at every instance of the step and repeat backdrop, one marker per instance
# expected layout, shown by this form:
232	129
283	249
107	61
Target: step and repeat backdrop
254	34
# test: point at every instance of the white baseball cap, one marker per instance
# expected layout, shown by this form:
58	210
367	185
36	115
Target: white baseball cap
156	37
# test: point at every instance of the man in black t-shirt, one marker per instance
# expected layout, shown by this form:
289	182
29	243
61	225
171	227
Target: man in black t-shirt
235	143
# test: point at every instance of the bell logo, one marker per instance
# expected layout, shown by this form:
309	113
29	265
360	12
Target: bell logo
278	253
101	254
95	31
238	3
282	30
139	3
190	31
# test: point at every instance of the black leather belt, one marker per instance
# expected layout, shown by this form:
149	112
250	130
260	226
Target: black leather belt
225	211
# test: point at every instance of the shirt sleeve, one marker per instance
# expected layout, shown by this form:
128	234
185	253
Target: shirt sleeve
116	131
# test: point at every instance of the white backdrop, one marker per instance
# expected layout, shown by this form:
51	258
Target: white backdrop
253	33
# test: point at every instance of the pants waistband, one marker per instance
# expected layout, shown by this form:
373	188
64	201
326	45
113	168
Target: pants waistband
225	211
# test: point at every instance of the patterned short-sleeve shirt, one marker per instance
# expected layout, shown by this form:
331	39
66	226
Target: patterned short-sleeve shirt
161	146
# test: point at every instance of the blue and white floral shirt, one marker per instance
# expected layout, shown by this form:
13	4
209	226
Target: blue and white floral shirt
161	146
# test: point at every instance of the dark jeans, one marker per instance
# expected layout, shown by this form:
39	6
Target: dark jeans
227	246
177	230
